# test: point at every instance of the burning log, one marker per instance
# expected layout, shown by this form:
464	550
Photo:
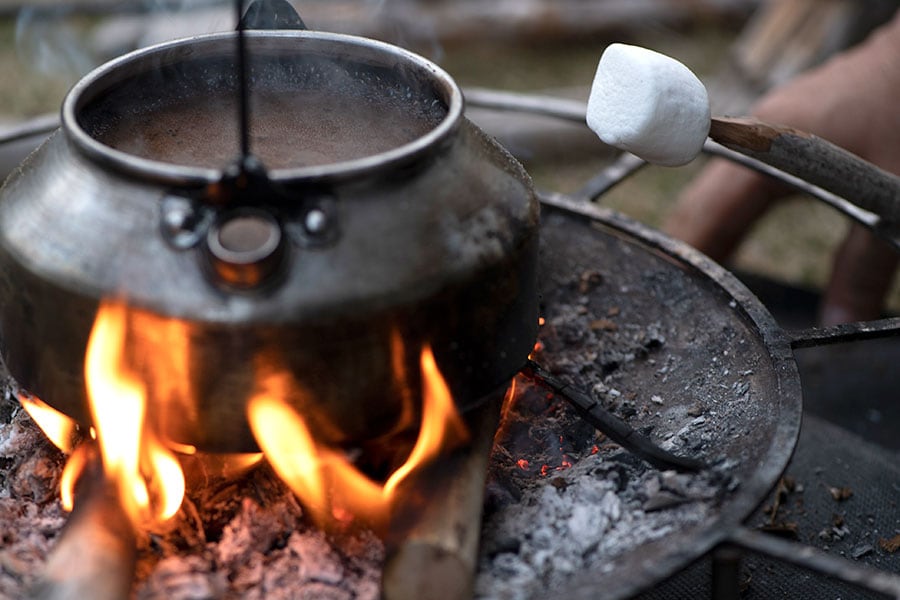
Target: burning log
433	541
96	554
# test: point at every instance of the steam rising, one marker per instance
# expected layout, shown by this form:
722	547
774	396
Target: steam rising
49	41
59	41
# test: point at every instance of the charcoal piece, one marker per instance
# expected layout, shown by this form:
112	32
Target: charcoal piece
663	500
861	550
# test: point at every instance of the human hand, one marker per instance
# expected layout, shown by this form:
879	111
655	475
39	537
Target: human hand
850	101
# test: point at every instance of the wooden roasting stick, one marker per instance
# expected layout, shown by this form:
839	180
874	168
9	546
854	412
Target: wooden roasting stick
96	553
432	547
816	160
636	92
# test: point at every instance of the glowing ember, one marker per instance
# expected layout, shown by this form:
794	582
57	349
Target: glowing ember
329	485
523	464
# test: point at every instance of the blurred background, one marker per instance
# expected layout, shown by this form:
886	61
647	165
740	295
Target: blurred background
739	48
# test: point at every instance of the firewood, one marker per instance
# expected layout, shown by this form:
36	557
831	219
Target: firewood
433	541
96	553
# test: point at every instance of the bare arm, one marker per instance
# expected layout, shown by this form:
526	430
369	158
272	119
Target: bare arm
853	101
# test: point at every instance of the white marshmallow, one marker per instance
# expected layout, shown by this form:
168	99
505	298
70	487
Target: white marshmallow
648	104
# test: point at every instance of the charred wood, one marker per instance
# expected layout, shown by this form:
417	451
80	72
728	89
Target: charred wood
432	545
96	554
616	429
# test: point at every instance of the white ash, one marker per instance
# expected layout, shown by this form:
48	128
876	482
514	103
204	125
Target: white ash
569	529
577	518
267	552
30	515
263	547
587	500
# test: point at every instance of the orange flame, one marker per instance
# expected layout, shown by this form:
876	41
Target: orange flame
150	478
59	429
142	468
161	346
330	486
280	432
74	467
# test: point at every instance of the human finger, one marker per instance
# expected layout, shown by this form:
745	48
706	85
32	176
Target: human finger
861	276
715	211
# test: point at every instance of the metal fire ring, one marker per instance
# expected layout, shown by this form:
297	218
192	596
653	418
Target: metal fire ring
666	281
576	212
567	215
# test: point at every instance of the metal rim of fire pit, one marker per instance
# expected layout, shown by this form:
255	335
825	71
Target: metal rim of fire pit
343	46
752	492
728	528
727	531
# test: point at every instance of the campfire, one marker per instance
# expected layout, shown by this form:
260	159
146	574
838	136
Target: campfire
561	498
328	376
540	446
144	469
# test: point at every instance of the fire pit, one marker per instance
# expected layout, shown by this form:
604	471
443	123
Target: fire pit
635	328
623	309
